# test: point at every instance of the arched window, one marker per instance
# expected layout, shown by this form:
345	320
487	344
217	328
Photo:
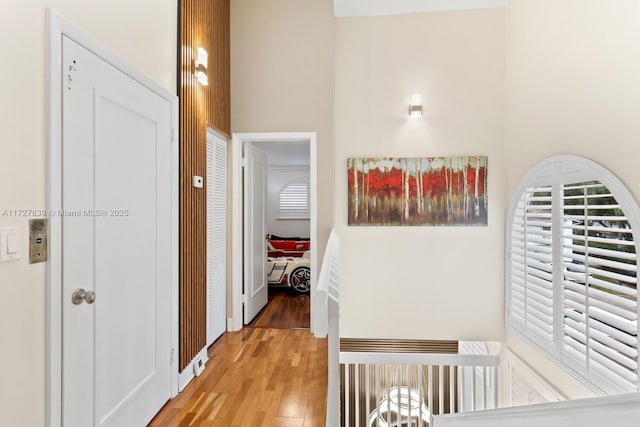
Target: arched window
293	199
572	270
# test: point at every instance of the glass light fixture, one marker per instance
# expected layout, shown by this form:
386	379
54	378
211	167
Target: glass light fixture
200	66
415	108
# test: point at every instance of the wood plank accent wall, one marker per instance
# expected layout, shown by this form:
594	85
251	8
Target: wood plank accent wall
203	23
220	68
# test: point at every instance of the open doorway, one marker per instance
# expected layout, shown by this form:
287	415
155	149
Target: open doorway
286	164
288	235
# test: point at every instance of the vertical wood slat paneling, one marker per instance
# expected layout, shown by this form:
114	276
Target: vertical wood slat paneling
188	211
199	227
220	68
203	23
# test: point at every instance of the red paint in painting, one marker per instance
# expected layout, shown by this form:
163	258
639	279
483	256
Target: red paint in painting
417	191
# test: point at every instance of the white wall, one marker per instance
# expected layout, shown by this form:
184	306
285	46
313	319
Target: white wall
386	7
282	79
277	178
421	282
144	33
572	84
521	385
572	70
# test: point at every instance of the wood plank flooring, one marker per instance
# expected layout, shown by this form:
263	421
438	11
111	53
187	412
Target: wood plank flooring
257	377
285	309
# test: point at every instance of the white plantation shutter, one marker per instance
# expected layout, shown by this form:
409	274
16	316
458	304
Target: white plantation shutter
531	265
599	298
294	199
572	271
216	236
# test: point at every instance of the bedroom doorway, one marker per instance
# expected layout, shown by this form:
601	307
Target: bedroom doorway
284	245
288	231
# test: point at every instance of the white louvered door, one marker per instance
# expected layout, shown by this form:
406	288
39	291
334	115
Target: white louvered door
216	236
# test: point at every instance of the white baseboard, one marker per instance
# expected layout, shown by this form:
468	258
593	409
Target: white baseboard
188	373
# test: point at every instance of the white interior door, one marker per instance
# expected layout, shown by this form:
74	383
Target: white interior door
117	243
216	236
255	253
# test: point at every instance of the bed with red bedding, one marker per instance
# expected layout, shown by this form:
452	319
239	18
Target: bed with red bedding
287	246
288	262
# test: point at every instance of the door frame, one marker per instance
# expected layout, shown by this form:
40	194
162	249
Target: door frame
238	140
59	27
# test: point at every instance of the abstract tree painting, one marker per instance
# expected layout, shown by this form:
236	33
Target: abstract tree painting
418	191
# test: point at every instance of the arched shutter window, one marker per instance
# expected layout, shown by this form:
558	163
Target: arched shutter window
294	199
572	271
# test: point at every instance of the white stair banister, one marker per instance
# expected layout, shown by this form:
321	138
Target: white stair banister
329	284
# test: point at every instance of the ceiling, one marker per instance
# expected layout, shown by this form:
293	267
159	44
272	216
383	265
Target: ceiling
391	7
286	153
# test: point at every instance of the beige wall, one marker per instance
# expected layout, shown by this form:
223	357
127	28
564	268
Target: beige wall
142	32
421	282
282	79
572	86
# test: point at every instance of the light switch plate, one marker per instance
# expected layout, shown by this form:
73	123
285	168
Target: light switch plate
198	182
38	245
10	248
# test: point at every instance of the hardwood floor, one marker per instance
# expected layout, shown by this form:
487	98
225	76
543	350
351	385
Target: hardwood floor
286	309
257	377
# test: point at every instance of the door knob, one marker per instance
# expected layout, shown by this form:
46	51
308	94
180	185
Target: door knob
80	295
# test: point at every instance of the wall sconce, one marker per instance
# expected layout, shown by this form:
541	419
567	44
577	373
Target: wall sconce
200	66
415	108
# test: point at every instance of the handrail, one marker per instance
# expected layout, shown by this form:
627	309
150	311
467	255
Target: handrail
351	357
619	411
